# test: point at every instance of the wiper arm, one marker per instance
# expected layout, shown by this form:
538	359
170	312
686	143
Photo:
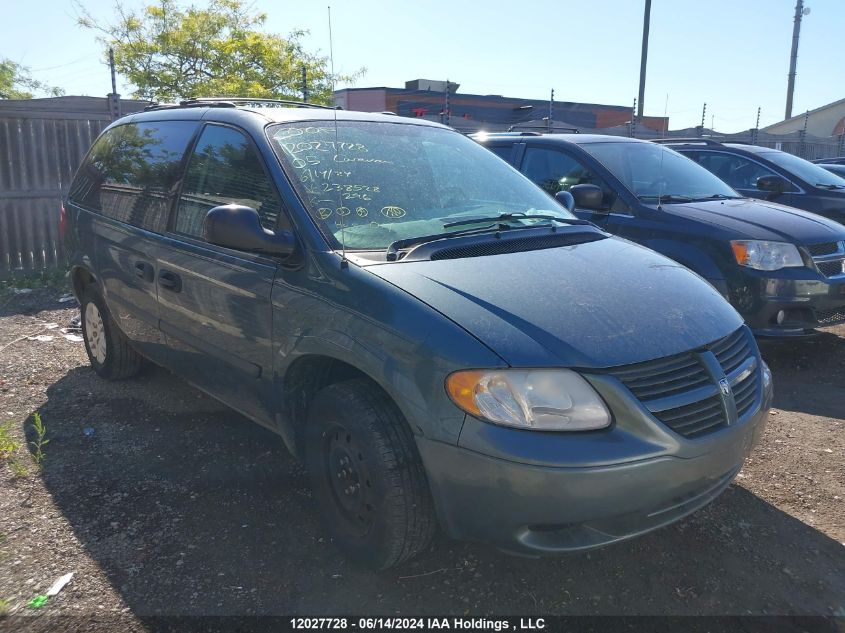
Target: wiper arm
668	198
504	217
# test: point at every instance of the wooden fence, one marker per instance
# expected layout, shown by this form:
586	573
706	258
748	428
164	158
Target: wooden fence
42	142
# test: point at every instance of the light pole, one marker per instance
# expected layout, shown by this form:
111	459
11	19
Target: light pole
800	12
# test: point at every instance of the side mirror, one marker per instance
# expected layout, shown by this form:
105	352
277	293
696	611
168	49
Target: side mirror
772	184
239	227
588	197
565	200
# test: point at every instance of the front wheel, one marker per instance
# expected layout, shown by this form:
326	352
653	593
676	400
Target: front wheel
109	351
367	476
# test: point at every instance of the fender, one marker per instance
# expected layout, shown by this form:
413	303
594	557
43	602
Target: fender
695	259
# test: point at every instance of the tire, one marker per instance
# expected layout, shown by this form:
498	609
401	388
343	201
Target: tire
366	475
109	351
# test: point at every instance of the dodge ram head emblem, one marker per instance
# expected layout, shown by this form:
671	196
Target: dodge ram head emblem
725	386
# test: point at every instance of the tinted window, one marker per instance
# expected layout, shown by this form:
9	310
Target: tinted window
502	151
371	183
804	169
224	169
131	171
555	171
653	171
738	172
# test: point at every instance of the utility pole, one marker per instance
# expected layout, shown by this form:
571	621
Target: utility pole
551	109
304	84
793	56
644	57
113	97
703	114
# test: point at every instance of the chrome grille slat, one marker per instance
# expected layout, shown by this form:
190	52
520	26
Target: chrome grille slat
679	391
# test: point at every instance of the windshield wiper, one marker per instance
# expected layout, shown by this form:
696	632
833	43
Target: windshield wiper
504	217
392	251
666	197
829	186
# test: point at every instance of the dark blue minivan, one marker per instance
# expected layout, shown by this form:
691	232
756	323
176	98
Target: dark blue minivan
783	269
436	338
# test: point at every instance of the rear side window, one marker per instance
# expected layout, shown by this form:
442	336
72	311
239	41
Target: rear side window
224	169
131	172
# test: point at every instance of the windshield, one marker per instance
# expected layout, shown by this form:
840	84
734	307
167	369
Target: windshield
805	170
384	182
654	172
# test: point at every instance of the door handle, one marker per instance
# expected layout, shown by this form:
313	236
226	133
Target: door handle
144	270
170	280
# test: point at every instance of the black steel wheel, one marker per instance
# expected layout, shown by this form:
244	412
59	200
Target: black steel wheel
366	475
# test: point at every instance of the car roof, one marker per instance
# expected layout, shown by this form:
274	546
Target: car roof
551	139
274	112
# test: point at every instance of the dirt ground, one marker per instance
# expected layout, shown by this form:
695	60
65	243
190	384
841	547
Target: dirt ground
162	501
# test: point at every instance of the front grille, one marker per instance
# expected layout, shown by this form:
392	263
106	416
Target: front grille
827	248
830	268
831	317
684	394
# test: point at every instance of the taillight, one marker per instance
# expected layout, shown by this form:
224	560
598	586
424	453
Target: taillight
62	222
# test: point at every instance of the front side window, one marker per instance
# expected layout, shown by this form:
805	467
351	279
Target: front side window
224	169
131	170
370	183
804	169
656	173
555	171
737	171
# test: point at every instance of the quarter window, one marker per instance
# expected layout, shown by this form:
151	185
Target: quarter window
131	172
224	169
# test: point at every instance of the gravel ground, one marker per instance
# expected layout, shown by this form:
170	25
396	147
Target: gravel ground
162	501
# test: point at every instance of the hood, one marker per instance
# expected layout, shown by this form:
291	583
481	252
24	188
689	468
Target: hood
599	304
759	220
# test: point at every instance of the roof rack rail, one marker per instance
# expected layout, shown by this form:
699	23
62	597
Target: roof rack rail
234	102
682	141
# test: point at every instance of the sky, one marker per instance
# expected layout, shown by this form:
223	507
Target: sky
732	55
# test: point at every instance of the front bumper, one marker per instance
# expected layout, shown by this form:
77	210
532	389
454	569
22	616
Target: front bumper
806	304
538	508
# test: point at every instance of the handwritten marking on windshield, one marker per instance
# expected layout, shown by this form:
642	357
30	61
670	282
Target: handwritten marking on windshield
393	212
362	212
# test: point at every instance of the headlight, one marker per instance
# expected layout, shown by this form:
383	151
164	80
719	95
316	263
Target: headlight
766	255
538	399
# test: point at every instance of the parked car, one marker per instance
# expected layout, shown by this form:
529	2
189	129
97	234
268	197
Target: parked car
434	336
762	172
834	168
839	160
781	268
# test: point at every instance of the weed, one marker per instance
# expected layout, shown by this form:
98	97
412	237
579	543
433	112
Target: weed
44	279
8	444
4	607
19	469
40	440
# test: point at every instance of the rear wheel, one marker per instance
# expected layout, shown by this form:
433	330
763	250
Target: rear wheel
109	351
367	476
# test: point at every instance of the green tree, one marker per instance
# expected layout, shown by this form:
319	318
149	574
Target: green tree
169	52
16	82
